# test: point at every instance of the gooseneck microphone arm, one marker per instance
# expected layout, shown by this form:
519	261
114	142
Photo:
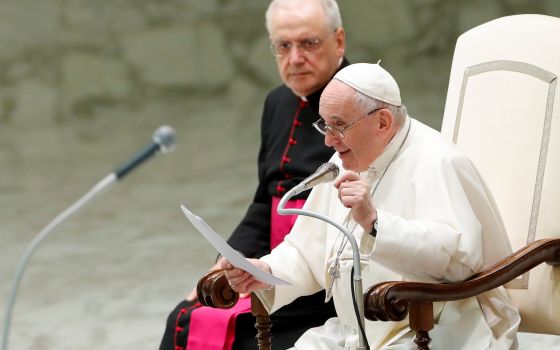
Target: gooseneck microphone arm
96	190
357	280
163	140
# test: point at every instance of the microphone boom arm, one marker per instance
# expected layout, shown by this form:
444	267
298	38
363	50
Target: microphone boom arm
163	139
358	287
92	193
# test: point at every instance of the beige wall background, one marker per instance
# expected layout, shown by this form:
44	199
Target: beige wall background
83	84
67	61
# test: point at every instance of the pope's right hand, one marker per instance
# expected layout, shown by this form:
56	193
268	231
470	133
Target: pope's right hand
243	282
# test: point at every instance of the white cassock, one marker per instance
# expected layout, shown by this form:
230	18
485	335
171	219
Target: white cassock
437	222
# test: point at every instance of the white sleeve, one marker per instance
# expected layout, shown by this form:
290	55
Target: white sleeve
441	237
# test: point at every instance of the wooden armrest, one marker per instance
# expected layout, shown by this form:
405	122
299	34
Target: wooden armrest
213	290
390	301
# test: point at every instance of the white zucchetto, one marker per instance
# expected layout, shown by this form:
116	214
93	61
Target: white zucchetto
371	80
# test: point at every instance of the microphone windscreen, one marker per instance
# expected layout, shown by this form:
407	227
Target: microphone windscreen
329	169
164	137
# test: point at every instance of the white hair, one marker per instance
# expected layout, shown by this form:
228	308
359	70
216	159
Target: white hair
369	104
330	9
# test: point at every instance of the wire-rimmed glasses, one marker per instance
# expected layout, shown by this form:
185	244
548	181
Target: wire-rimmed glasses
338	131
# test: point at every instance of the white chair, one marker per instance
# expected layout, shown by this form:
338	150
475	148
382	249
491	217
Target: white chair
503	111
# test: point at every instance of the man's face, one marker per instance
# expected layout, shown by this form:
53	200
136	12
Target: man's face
305	72
363	142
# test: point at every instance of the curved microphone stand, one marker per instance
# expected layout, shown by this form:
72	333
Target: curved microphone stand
355	252
96	190
163	140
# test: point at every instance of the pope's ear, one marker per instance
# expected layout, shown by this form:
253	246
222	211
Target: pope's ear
386	119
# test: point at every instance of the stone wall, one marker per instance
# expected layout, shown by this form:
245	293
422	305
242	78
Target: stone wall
63	61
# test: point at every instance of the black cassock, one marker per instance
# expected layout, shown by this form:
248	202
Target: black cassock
291	149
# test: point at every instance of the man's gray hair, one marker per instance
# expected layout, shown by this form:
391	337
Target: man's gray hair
330	7
369	104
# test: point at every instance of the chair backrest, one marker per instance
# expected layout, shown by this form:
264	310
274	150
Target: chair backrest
503	111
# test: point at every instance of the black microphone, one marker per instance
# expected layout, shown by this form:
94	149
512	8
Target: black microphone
163	140
327	172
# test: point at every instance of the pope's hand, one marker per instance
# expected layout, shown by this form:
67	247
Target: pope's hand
243	282
354	193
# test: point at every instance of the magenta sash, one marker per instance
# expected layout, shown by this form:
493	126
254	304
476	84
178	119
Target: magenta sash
280	225
214	329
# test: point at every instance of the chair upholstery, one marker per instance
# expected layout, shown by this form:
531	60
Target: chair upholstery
503	111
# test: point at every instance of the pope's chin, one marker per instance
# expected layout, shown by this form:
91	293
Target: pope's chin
348	162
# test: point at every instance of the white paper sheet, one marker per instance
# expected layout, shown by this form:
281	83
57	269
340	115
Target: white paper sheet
228	252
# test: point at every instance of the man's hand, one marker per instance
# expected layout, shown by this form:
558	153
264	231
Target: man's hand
241	281
353	192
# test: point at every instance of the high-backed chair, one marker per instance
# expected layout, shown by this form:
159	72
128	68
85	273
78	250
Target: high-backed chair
503	111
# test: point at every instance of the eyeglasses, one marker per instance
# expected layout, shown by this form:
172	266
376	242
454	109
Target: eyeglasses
283	48
338	131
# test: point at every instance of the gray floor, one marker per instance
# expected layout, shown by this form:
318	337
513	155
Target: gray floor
107	278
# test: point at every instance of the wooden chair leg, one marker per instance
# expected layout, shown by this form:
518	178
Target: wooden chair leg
421	317
263	323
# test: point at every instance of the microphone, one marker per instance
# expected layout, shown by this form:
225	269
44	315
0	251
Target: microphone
163	140
327	172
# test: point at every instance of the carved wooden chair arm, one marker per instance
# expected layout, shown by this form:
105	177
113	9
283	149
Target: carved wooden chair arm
393	301
213	290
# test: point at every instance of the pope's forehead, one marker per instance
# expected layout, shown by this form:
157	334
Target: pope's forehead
337	90
337	98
